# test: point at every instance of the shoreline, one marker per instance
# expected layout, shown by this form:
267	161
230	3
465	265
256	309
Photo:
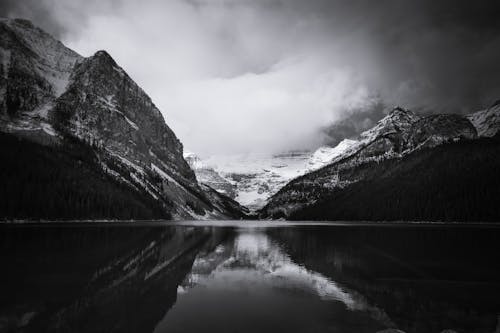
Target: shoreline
245	223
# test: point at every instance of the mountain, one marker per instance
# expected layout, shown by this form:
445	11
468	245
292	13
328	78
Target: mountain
487	122
52	96
406	167
250	178
353	123
325	155
208	176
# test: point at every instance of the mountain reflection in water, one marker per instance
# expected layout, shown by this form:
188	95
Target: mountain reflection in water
300	278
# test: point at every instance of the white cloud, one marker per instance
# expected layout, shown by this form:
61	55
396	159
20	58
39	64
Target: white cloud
241	75
281	109
227	78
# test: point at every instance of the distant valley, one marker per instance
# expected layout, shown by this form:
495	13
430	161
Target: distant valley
251	179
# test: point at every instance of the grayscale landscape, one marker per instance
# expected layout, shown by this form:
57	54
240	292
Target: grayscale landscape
250	166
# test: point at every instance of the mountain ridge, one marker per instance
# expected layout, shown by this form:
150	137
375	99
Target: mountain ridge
52	96
401	133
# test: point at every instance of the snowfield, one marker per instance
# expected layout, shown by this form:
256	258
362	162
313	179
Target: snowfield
256	177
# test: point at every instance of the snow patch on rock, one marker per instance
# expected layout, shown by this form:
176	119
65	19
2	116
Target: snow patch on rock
487	122
55	61
255	177
326	155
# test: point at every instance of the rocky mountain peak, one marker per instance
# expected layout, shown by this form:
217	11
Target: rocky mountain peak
23	28
50	94
35	68
398	121
20	21
401	116
399	136
102	59
105	55
400	110
49	50
104	105
433	130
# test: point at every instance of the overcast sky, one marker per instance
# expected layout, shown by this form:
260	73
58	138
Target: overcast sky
266	75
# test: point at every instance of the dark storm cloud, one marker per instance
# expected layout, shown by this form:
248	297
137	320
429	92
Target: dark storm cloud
447	50
56	17
233	75
429	54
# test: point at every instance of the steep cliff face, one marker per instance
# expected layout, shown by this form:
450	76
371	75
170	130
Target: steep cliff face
208	176
487	122
395	136
254	177
104	105
52	95
434	130
32	59
35	70
326	155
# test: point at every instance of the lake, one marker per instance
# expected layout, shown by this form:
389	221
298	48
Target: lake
249	277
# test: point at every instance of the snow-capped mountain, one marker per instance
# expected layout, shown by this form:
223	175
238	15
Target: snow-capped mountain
326	155
396	136
208	176
249	178
252	179
54	96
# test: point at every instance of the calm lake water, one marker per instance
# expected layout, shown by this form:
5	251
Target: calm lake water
249	277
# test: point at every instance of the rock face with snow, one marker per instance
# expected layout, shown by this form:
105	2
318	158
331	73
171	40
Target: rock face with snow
325	155
398	134
487	122
208	176
32	59
52	94
35	70
251	178
433	130
104	105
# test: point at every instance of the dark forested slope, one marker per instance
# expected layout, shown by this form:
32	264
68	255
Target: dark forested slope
93	111
64	183
453	182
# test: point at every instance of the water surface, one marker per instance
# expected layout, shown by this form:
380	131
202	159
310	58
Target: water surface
249	277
